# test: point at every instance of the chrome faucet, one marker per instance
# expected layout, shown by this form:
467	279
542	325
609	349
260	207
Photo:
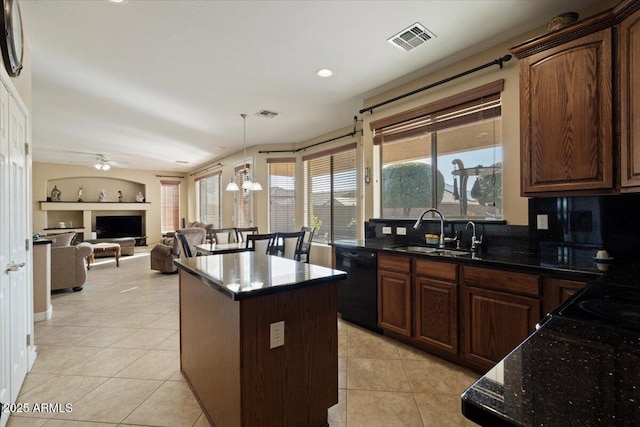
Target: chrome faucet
437	212
475	242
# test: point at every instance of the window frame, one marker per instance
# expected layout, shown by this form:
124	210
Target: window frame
330	154
165	184
218	175
474	105
289	161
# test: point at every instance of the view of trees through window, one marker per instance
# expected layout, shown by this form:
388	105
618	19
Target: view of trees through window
468	174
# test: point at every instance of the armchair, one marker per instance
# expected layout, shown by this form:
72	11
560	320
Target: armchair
69	266
162	255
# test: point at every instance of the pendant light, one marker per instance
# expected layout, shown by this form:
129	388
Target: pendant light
247	183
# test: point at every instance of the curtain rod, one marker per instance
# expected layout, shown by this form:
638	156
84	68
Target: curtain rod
498	62
168	176
297	150
206	169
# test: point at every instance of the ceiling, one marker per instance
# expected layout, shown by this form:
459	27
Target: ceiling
148	83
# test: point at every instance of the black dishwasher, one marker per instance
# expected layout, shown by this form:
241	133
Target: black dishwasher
358	294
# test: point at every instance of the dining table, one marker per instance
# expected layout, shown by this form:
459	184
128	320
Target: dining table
221	248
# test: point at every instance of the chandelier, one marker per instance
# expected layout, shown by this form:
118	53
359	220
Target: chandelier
247	183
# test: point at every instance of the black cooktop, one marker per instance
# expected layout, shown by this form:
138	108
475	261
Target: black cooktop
606	304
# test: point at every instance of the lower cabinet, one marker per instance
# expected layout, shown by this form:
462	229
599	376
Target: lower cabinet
394	294
501	309
468	314
436	305
557	291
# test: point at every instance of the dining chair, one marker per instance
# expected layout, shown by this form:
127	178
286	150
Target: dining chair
225	235
260	242
184	244
289	244
305	248
243	232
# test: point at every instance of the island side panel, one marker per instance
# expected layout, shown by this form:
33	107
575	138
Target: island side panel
295	384
210	349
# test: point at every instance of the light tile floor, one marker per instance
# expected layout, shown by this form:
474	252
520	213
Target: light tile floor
112	351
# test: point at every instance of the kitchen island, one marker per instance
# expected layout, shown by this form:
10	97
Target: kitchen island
227	306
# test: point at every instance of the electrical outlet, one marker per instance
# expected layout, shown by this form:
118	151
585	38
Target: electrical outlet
277	334
542	222
386	230
401	231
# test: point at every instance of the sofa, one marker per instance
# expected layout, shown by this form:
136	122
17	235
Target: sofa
127	245
68	262
167	238
162	255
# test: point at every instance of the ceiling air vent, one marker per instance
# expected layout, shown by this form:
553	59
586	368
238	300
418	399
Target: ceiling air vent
411	37
267	114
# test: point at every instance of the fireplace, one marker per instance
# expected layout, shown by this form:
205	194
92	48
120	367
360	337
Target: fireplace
109	227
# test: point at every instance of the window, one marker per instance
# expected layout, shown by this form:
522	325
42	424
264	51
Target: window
208	199
331	193
243	198
282	197
446	155
169	205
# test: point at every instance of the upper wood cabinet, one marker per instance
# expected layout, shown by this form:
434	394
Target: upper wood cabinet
571	97
566	116
629	57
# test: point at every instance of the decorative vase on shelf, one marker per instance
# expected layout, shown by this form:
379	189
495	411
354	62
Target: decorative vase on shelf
55	194
139	197
102	197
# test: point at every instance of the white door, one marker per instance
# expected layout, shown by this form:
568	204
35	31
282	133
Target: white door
5	357
18	238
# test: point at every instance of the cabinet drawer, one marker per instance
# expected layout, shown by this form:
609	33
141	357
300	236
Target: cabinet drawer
394	263
499	280
438	270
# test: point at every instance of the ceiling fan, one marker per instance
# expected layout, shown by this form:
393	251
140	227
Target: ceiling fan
99	161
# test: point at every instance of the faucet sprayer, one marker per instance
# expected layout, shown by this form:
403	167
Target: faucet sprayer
437	212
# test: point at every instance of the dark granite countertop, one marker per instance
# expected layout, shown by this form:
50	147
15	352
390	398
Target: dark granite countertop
569	372
248	274
556	259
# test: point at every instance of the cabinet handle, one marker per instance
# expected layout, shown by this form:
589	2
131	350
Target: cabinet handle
13	267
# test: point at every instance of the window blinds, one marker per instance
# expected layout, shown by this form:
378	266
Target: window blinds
169	205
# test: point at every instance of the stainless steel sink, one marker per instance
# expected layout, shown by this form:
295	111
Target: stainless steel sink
432	251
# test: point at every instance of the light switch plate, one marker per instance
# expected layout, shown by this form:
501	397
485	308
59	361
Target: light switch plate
401	231
386	230
542	222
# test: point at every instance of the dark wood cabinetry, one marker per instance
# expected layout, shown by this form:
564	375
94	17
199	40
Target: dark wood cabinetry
578	93
394	294
566	116
500	309
557	291
629	65
436	305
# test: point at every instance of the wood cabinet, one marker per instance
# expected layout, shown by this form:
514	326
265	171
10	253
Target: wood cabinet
578	93
436	305
557	291
500	310
629	66
394	294
566	116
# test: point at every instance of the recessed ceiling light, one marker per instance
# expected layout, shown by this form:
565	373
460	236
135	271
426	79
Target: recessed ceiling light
220	148
118	1
325	72
182	162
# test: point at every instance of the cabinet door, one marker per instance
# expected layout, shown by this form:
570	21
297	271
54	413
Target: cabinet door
436	314
557	291
629	55
394	301
495	323
566	117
